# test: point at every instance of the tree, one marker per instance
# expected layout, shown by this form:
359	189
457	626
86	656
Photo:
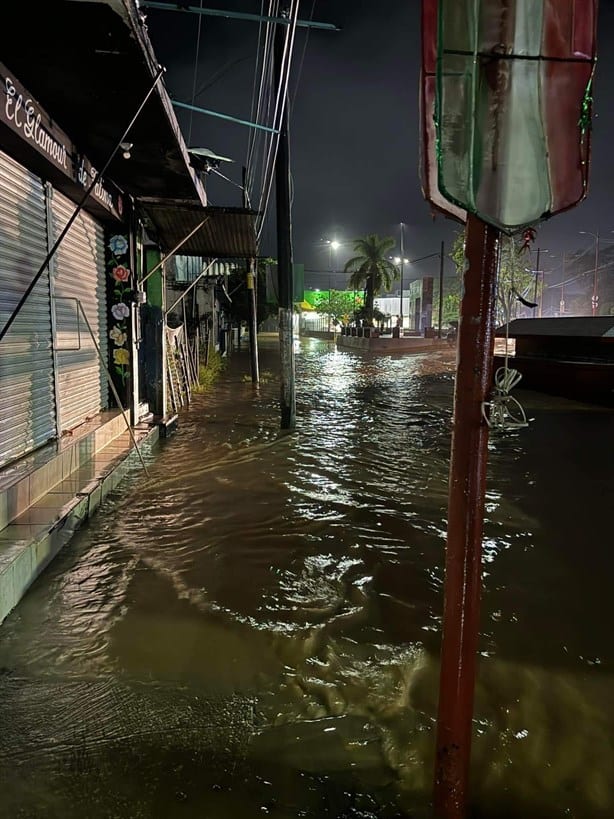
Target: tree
338	305
370	269
514	282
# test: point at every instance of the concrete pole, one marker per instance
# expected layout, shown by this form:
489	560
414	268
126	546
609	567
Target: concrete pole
253	321
402	272
462	586
440	318
284	248
595	296
536	288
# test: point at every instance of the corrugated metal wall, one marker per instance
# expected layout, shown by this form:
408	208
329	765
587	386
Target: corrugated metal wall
79	273
27	405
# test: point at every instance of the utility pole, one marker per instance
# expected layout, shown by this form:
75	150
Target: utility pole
562	300
253	323
467	486
440	289
402	270
284	239
535	299
595	296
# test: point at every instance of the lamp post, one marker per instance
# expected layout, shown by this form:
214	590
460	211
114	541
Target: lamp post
333	246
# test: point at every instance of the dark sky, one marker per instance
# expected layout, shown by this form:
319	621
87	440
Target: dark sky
354	123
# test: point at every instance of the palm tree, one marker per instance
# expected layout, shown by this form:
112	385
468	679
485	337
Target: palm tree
370	268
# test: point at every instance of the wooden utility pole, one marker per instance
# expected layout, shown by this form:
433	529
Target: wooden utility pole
463	577
284	242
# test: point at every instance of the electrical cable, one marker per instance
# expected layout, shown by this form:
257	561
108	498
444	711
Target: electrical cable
504	412
281	101
302	60
261	111
255	105
200	17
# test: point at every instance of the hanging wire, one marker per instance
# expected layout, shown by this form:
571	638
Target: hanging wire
200	18
260	115
227	178
268	114
302	60
504	412
254	108
280	103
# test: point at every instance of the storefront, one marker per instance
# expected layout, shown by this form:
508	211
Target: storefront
52	359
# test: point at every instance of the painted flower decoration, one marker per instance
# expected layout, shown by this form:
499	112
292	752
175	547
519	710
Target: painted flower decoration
118	245
118	336
121	356
121	273
120	311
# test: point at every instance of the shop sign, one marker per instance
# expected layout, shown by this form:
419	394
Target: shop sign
25	117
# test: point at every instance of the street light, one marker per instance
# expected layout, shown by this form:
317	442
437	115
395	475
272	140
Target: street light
333	246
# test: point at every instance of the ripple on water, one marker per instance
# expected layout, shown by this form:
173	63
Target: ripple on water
257	623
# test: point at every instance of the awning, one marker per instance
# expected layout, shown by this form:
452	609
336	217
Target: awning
90	65
227	233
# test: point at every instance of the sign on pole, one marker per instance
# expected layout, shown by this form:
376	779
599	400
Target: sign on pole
513	106
512	95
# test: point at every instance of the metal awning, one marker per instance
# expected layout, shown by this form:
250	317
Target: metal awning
227	233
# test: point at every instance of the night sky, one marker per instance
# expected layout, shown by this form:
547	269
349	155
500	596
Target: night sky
354	124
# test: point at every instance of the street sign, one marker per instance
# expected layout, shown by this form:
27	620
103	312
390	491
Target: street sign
428	85
513	106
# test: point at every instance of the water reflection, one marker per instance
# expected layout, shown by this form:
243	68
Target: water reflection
254	629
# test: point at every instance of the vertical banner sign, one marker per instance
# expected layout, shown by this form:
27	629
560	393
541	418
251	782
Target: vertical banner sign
119	290
513	106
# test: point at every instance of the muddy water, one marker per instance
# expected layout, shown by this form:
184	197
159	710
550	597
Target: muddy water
253	630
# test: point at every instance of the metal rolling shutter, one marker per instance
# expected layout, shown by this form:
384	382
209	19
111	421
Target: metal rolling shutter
79	273
27	404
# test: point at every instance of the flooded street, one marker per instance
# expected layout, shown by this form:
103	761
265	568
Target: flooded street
253	629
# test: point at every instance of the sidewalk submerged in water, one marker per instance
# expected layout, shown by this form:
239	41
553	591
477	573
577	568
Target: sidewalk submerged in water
45	497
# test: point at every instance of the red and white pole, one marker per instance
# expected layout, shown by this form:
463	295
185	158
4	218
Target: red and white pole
463	574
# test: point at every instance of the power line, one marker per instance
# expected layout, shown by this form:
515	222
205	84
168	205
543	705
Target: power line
280	103
195	75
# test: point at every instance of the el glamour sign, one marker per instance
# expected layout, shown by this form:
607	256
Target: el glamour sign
28	120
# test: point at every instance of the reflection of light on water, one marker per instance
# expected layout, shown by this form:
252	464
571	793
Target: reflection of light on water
491	549
306	571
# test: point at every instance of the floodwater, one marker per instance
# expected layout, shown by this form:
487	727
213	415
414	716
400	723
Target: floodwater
253	630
